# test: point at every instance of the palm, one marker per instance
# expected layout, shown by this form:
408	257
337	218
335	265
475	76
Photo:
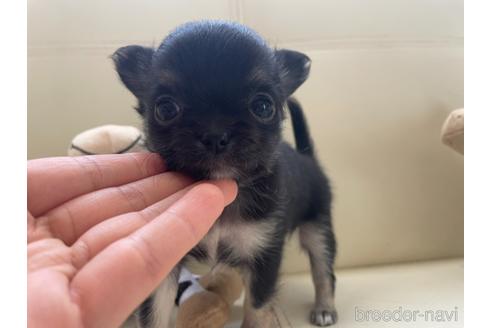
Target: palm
103	231
49	265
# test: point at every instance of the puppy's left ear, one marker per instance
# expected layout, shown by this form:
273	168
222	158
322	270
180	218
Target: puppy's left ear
294	69
133	64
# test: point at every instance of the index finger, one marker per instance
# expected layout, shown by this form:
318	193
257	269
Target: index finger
52	181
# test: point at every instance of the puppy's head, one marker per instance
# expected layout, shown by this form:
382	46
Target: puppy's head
212	97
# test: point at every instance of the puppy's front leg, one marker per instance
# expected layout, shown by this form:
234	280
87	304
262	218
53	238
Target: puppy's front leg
262	317
261	285
156	311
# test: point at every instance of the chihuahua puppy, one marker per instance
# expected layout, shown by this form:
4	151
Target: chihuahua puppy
212	97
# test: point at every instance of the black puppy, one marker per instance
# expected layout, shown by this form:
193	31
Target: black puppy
212	98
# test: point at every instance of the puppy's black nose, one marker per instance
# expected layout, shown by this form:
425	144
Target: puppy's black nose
216	143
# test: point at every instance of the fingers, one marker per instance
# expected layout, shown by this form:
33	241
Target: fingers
52	181
73	218
105	233
127	271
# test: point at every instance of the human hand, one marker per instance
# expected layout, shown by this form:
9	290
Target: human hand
104	230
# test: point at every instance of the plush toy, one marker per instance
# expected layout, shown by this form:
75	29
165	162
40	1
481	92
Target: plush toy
107	139
453	131
204	302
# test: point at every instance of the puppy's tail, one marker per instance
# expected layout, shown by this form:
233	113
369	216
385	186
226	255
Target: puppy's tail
304	144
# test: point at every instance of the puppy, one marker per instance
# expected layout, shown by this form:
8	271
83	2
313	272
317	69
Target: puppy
212	97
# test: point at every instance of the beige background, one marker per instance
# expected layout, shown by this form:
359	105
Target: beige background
385	74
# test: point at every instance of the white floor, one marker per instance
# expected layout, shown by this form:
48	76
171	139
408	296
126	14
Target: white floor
398	289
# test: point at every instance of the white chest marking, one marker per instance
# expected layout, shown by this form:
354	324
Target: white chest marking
243	240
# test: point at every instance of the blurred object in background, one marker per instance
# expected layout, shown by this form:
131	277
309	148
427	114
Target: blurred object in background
453	131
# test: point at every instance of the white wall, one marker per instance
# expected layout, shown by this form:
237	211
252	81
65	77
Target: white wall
385	74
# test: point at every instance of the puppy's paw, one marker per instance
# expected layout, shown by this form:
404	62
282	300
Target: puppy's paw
323	317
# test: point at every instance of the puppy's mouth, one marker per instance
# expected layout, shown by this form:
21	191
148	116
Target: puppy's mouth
206	165
223	173
219	166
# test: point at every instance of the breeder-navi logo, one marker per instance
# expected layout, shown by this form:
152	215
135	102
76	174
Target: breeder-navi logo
405	315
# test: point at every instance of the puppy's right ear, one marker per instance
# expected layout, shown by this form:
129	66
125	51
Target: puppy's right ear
133	64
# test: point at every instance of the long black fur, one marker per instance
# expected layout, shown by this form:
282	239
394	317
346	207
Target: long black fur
213	70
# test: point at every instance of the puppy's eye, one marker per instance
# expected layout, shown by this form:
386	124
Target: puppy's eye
166	109
262	107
